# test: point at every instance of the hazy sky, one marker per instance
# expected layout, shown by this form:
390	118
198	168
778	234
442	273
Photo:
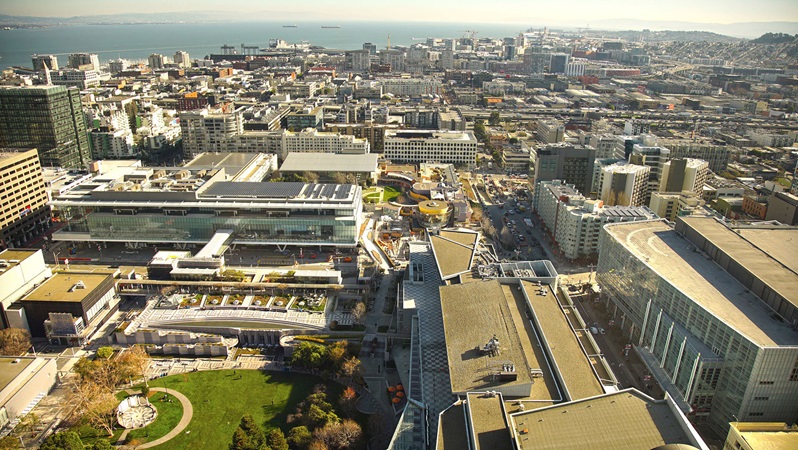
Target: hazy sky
511	11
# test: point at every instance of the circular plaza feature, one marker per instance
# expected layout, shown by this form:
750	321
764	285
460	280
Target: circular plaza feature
135	412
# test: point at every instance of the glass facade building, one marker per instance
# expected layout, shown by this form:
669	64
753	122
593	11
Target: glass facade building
184	207
727	354
49	118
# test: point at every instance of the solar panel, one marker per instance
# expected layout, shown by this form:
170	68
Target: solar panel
254	189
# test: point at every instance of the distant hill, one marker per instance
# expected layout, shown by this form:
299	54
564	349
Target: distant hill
747	30
774	38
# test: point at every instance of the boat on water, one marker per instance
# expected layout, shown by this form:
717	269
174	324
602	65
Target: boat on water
289	26
331	26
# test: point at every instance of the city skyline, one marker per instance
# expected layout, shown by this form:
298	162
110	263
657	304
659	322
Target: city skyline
579	12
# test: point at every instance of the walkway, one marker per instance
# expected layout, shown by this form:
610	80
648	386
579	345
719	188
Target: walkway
188	413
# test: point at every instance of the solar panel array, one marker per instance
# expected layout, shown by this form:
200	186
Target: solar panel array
278	190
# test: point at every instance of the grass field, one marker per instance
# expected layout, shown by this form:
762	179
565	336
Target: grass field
390	193
221	398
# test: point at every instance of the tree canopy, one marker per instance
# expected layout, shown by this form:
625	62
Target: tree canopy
14	341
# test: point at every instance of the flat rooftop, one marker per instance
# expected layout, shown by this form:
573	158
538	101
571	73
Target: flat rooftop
18	255
452	432
329	162
231	162
454	251
710	287
472	314
58	287
9	370
625	420
488	420
569	357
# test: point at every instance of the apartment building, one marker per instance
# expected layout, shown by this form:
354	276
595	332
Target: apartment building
24	212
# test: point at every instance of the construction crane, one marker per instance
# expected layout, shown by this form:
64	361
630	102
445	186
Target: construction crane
471	33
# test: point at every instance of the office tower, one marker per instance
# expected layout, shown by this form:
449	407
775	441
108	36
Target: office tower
84	61
559	62
25	213
550	132
571	163
156	61
653	157
624	184
182	59
40	61
48	118
712	312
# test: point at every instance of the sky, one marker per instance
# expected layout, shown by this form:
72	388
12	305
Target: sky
571	12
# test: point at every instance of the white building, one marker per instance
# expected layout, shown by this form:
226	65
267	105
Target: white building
112	144
769	139
312	140
82	79
209	131
411	87
624	184
358	60
451	147
576	222
575	67
182	59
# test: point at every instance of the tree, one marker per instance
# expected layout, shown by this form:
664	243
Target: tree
299	437
358	312
308	355
339	436
105	352
336	353
94	403
275	439
347	401
351	367
9	443
248	435
65	440
102	444
310	177
14	341
494	118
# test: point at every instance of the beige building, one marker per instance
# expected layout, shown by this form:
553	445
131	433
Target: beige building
24	212
761	436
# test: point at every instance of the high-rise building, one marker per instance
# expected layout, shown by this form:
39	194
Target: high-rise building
624	184
209	131
84	61
358	60
182	59
550	132
712	312
684	174
559	62
156	61
396	58
571	163
118	65
40	61
25	213
48	118
653	157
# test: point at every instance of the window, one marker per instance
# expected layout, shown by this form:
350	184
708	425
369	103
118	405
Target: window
761	398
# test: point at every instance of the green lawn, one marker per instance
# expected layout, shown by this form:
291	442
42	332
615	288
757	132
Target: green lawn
390	193
220	398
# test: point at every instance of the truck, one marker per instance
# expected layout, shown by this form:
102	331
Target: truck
528	222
